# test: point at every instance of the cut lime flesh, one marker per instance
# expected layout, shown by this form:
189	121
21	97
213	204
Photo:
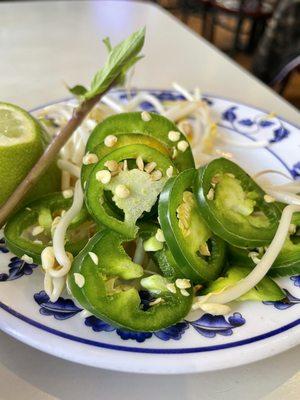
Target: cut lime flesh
15	126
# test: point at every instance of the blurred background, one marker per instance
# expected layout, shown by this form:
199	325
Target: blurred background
262	36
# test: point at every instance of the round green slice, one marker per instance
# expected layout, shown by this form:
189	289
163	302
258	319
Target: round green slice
123	140
234	206
143	190
132	123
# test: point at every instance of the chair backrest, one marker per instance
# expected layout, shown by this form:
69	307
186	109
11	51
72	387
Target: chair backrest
249	8
286	70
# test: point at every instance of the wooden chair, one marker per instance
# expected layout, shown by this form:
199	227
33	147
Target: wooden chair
253	10
189	7
281	80
197	7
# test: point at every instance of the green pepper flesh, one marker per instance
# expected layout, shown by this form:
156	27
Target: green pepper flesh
121	306
183	244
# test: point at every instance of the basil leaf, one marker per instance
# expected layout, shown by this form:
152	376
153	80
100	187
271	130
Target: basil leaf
118	57
130	64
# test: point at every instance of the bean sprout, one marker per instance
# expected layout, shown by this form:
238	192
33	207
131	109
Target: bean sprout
69	167
284	197
183	110
65	180
185	93
232	293
293	187
60	233
113	104
270	171
257	274
140	97
54	286
249	145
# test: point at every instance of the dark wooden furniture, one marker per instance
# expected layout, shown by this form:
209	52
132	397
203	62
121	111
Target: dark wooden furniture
253	10
281	80
197	7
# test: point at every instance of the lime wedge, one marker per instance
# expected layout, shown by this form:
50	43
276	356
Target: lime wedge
22	142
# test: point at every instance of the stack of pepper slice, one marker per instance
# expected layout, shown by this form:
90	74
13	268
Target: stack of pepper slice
199	253
166	228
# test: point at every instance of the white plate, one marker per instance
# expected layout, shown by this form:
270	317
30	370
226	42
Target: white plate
252	331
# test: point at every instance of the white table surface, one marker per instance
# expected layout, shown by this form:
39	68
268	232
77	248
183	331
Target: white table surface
45	43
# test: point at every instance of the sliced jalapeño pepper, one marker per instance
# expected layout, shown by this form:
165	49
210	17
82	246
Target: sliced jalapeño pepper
29	230
139	189
101	150
110	288
198	253
286	263
233	205
157	127
265	290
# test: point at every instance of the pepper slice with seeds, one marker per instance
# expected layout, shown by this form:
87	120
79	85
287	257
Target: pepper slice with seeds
110	290
29	230
142	188
198	253
233	205
101	150
157	127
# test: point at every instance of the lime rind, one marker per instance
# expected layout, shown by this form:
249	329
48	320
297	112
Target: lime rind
22	142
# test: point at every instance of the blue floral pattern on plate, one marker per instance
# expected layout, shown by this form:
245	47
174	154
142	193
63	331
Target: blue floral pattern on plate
3	248
279	133
295	171
211	325
61	309
246	122
162	95
287	302
174	332
98	325
230	114
208	325
296	280
16	269
166	95
265	123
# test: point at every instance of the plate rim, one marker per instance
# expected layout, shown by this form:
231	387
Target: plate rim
204	94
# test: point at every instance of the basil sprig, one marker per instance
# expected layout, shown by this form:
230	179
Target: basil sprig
120	59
